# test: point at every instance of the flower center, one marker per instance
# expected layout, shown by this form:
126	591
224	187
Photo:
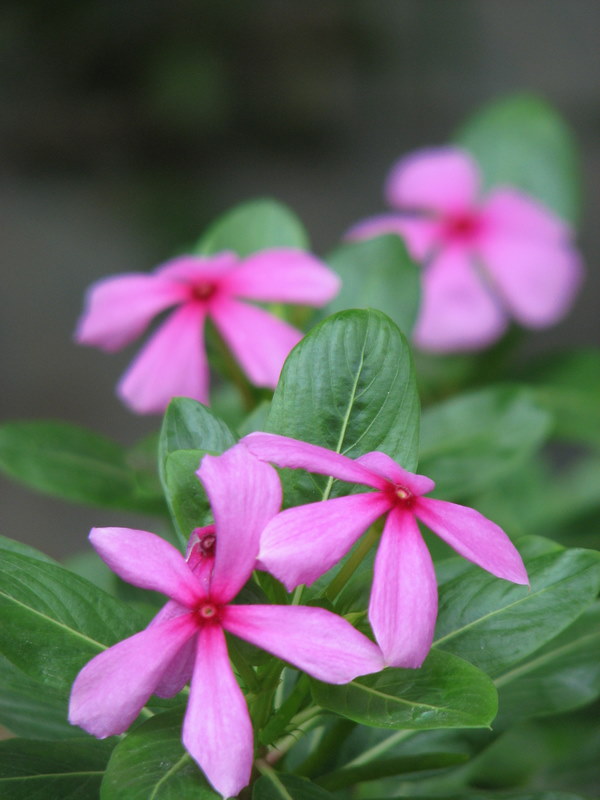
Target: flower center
206	545
403	496
462	226
203	290
208	612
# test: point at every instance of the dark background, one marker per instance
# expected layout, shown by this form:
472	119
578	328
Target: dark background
127	125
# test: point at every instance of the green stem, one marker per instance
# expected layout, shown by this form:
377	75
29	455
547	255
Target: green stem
353	562
321	754
380	748
233	372
302	723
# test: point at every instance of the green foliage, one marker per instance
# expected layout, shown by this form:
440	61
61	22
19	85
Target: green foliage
521	141
75	464
278	786
472	440
446	692
378	273
252	226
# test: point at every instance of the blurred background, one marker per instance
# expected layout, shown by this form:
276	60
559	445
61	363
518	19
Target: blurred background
125	127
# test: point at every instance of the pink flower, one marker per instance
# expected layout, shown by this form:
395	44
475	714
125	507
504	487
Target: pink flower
300	544
485	259
173	362
186	639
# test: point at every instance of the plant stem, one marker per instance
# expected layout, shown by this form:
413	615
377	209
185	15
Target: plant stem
353	562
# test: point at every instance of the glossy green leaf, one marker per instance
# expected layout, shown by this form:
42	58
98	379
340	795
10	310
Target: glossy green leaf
349	386
562	675
446	692
52	621
378	273
30	709
187	499
70	462
252	226
473	440
13	546
278	786
495	624
150	762
521	141
52	770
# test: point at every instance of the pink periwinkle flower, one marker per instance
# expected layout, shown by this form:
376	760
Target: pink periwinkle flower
173	361
300	544
186	639
485	259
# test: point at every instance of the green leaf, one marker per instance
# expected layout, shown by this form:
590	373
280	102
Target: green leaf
52	621
495	624
12	546
349	386
471	441
562	675
70	462
252	226
521	141
187	499
68	769
278	786
150	762
30	709
378	273
446	692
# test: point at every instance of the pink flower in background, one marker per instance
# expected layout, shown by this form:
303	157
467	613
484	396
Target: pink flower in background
300	544
485	259
173	361
186	639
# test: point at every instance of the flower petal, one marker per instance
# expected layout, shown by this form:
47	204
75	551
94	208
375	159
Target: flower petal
217	730
287	452
245	494
392	471
302	543
191	269
172	364
403	603
258	340
420	233
458	311
119	309
312	639
508	212
442	179
473	536
112	688
179	670
538	282
284	275
148	561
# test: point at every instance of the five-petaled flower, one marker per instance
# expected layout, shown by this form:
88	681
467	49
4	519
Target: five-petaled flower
300	544
485	259
173	362
186	640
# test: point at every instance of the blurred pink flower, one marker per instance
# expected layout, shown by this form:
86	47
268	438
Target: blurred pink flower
300	544
485	259
173	361
186	639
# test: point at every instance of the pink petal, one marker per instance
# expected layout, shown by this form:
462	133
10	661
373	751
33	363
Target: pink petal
284	275
217	730
312	639
119	309
191	269
258	340
403	603
302	543
458	311
393	472
442	179
147	561
245	494
295	454
179	671
172	364
112	688
538	282
473	536
510	213
420	233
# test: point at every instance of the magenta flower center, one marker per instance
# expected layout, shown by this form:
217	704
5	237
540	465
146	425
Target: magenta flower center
206	545
462	227
207	613
203	290
401	496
